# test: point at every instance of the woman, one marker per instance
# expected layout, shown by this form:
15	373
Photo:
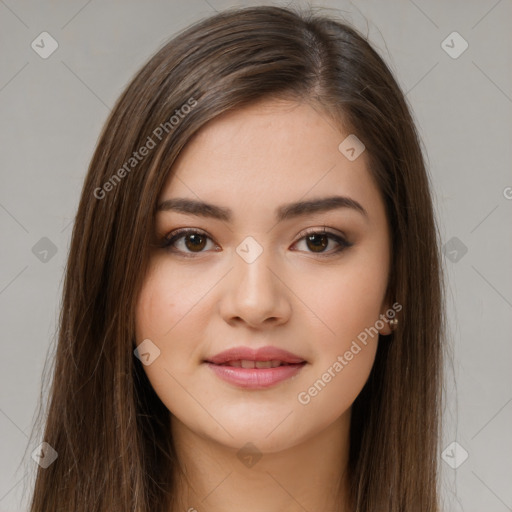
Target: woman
252	314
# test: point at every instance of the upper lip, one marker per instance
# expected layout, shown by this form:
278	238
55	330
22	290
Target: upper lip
250	354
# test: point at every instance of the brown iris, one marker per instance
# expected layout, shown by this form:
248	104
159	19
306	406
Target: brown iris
198	241
322	239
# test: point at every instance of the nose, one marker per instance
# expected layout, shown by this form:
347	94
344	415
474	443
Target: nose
255	294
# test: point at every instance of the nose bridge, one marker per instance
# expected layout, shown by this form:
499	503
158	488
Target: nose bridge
255	293
254	278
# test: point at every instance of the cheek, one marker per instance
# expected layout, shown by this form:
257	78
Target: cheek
345	347
156	309
167	297
163	313
345	343
160	316
347	303
173	311
332	391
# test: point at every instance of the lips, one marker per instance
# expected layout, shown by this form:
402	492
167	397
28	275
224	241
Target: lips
245	363
255	369
246	357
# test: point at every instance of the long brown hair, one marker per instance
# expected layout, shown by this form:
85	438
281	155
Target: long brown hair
109	428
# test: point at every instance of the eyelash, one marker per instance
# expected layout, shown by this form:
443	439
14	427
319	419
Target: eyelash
171	238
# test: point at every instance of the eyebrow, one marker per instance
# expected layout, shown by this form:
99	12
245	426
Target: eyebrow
283	212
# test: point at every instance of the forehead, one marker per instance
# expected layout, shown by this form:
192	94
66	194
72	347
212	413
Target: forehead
269	153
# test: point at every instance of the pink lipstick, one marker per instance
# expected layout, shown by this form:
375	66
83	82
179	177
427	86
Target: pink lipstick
255	369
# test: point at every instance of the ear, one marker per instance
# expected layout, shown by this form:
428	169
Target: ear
386	329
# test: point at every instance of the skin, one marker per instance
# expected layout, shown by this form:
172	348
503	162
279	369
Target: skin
253	160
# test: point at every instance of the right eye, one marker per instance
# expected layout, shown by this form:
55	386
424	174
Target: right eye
194	240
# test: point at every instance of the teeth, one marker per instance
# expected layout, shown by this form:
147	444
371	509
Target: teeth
268	364
263	364
244	363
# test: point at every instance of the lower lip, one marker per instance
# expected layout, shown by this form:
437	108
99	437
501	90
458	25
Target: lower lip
255	378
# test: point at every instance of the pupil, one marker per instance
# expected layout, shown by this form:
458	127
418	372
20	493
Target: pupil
195	239
323	243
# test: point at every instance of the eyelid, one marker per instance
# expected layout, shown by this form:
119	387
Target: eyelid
182	231
322	230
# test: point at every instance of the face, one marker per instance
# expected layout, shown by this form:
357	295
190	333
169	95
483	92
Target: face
260	277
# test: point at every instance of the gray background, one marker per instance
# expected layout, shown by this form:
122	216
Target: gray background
51	113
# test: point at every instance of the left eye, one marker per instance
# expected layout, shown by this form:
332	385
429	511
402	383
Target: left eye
195	241
319	240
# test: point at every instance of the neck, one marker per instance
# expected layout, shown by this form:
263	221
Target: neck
310	476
